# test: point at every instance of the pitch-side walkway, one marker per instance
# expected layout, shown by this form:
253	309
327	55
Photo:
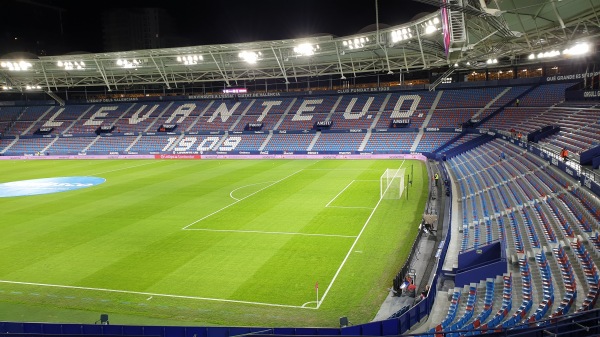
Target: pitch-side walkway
424	260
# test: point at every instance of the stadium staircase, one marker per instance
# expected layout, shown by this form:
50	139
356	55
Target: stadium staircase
13	122
500	109
450	142
467	146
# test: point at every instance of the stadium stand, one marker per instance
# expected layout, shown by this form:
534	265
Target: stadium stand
546	222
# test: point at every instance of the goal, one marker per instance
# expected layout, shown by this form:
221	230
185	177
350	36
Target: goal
391	184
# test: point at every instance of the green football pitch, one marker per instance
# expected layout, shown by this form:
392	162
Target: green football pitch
206	242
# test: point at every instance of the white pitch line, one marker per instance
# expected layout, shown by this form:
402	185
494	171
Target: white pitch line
342	169
307	303
342	191
153	294
263	232
231	193
128	167
350	251
235	202
359	207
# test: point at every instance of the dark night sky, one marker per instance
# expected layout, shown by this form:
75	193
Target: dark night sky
35	25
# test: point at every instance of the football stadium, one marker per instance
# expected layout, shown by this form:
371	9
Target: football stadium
436	178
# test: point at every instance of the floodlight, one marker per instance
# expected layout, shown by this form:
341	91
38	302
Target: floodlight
305	49
129	64
578	49
357	42
430	29
70	65
189	59
249	56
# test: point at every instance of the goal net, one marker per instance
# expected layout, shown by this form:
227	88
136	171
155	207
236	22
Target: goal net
391	184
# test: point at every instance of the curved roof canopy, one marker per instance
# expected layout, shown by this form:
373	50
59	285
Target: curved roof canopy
479	31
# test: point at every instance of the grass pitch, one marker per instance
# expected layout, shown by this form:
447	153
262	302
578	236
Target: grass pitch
209	242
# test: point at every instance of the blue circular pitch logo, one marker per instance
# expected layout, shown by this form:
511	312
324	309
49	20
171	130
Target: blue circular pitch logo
47	185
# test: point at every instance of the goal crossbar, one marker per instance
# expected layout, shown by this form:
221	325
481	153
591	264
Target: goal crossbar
391	183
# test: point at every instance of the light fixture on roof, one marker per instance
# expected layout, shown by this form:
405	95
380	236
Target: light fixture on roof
70	65
33	87
16	66
548	54
401	34
430	26
491	61
6	87
355	43
306	49
580	48
250	56
127	64
190	59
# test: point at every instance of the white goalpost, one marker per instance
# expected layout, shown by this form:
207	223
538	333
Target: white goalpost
391	184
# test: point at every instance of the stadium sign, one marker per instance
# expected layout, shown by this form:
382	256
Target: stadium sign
591	93
47	185
572	76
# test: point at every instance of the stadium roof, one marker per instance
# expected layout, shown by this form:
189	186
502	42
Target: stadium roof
480	33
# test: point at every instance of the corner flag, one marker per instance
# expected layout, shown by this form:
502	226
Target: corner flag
317	289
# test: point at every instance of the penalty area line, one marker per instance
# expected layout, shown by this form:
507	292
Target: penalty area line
235	202
342	191
350	250
153	294
265	232
239	188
